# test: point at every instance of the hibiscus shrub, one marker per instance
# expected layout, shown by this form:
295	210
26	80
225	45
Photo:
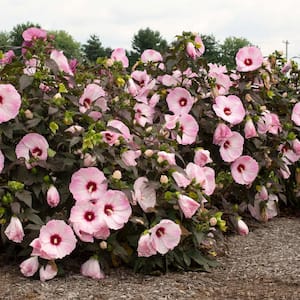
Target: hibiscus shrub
143	167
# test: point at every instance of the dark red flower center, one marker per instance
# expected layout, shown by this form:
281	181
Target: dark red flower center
108	209
241	168
160	232
1	100
36	151
91	186
89	216
227	111
142	83
55	239
87	102
108	136
248	62
226	145
284	149
182	102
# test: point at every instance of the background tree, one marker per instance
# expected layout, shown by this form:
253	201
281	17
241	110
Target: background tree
212	48
64	41
93	49
229	48
4	41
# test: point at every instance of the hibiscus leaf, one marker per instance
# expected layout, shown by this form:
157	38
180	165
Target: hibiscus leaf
25	196
25	81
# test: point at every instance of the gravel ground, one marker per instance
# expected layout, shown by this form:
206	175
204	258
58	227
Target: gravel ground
263	265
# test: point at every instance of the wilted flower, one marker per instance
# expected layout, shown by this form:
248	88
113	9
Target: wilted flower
48	272
91	268
61	61
29	266
14	231
145	247
188	205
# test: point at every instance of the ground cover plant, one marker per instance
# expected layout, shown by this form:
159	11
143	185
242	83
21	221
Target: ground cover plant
144	167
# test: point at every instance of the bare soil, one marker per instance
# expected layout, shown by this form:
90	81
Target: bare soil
263	265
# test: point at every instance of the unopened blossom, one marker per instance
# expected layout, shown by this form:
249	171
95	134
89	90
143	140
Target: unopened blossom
196	48
129	157
119	54
229	108
48	272
29	266
165	236
249	58
56	240
249	129
244	170
61	61
151	55
91	268
149	152
179	101
144	193
242	227
221	134
53	197
145	247
188	205
87	184
14	231
296	114
10	102
1	161
33	33
115	209
93	94
202	157
117	175
164	179
232	147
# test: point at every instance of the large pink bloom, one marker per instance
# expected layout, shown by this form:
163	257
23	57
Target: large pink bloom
34	33
14	231
56	240
87	221
230	109
61	61
119	54
232	147
32	146
180	101
144	193
204	176
92	94
188	205
296	114
151	55
87	184
10	102
115	209
244	170
165	236
249	59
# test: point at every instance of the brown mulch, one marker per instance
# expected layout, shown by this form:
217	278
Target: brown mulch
263	265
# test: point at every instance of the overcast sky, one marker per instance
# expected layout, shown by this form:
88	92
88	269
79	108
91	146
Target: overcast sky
266	23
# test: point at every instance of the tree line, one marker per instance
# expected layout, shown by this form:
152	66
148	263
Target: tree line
215	52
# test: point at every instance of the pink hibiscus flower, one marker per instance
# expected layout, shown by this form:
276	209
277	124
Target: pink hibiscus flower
296	114
145	247
188	205
165	236
86	220
48	272
202	157
249	129
32	147
144	114
29	266
56	240
61	61
7	57
91	268
87	184
230	109
249	59
268	122
122	128
165	156
93	94
10	102
196	48
115	209
244	170
221	134
119	54
232	147
129	157
151	55
14	231
179	101
110	137
144	193
33	33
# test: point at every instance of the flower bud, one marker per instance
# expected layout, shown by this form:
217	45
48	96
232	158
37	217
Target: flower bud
164	179
213	221
53	197
103	245
242	227
89	160
148	153
28	114
117	175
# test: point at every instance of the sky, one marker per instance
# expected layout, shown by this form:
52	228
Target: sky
265	23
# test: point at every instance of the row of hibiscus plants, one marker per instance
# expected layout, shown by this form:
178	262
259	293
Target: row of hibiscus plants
145	166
